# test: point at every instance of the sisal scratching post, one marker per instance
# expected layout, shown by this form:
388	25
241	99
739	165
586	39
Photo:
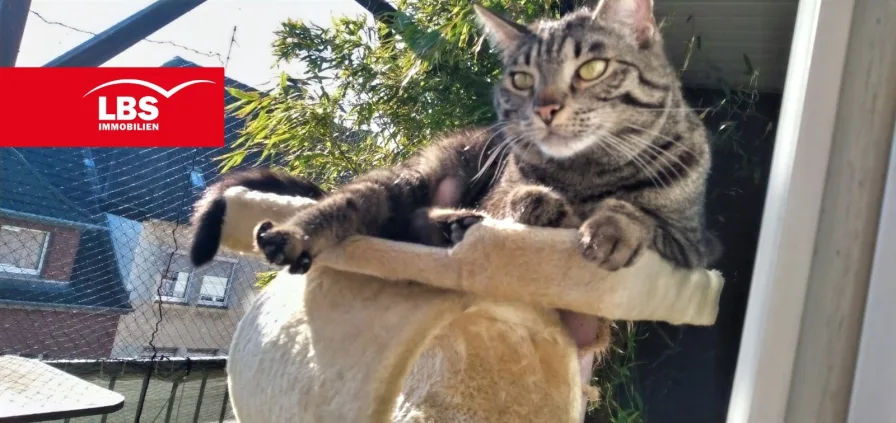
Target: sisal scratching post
473	338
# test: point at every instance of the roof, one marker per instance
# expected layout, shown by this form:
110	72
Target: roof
51	186
180	62
728	30
50	183
95	281
156	183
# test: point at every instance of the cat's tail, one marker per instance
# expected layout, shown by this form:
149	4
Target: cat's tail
209	211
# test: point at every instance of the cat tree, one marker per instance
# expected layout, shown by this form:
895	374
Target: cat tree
381	331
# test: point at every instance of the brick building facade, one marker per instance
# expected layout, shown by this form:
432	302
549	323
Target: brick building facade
61	294
57	334
60	249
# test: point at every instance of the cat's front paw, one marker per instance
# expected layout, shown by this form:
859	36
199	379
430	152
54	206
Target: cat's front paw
443	227
612	240
284	246
539	206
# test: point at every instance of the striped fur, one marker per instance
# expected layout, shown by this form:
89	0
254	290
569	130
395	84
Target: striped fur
627	139
624	159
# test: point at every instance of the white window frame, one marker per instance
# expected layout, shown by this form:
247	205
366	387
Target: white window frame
173	299
765	362
192	281
197	176
215	352
227	285
148	352
767	387
8	268
227	289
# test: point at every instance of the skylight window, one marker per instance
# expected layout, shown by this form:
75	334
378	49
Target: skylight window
197	179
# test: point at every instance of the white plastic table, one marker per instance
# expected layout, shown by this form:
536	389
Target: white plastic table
31	391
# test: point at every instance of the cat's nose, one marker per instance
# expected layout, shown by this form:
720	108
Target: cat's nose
547	112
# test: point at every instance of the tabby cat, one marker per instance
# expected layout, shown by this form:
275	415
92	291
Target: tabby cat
593	134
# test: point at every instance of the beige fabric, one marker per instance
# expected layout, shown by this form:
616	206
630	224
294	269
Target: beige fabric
475	340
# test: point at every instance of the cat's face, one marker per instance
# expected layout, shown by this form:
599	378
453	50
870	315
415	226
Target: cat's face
583	81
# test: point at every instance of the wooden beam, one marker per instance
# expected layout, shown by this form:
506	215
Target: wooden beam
850	215
383	13
872	388
378	8
819	231
104	46
792	212
13	15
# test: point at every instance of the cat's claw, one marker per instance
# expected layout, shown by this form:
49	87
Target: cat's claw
612	241
284	246
444	227
458	227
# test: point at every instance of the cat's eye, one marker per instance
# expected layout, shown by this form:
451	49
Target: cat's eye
522	80
592	69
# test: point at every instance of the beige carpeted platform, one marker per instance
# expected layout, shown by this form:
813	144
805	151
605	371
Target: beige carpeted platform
473	338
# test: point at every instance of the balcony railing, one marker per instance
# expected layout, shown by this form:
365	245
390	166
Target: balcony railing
175	389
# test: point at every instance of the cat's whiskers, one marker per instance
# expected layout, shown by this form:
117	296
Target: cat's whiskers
492	153
632	155
602	137
653	174
657	134
499	127
660	154
503	160
493	156
528	146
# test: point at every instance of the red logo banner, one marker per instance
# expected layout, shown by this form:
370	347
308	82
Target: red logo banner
112	107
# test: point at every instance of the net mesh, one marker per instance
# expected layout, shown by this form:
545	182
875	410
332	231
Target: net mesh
94	266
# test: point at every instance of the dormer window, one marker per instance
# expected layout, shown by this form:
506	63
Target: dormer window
92	175
22	250
197	179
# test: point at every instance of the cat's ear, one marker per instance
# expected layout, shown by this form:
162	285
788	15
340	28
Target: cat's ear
635	15
502	31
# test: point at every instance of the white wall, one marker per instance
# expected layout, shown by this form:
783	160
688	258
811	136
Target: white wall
181	326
